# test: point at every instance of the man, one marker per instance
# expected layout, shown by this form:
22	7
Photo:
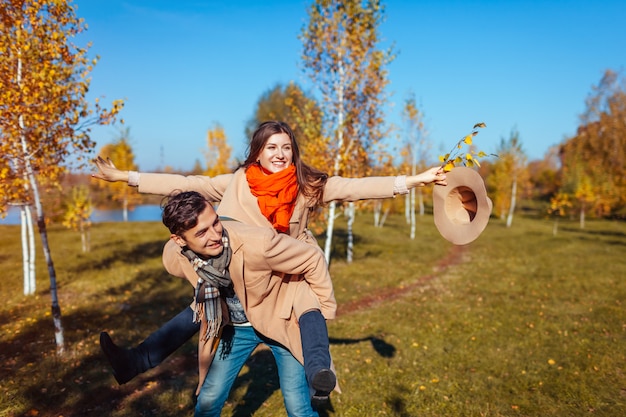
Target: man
233	264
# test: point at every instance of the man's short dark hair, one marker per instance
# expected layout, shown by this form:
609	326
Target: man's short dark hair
181	211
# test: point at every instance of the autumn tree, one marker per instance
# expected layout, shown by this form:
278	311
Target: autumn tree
218	152
417	147
560	203
299	109
44	115
594	160
122	155
544	176
509	173
382	207
78	213
341	56
196	169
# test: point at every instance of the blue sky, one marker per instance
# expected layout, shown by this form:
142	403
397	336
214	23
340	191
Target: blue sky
182	66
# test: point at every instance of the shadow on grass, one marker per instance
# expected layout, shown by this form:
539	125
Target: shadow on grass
85	386
135	255
339	245
381	347
262	379
79	382
598	233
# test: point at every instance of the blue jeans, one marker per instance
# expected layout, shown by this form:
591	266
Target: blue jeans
230	357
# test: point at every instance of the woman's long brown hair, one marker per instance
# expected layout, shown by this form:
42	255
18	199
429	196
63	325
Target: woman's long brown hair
311	181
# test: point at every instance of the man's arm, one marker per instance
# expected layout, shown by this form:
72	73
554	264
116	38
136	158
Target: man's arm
282	253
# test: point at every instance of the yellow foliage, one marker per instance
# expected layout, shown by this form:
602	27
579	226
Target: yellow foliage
121	153
453	158
218	153
559	204
78	210
43	84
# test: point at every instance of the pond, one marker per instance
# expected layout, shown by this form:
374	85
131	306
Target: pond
144	213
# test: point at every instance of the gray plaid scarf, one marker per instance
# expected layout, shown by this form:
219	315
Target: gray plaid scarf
213	278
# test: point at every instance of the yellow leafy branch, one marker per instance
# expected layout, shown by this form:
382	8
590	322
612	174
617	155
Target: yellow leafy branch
455	156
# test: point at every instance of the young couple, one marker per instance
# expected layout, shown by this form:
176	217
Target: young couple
275	190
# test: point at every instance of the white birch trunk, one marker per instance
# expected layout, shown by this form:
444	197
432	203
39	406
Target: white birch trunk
420	200
125	209
412	212
582	217
382	222
28	286
350	244
32	183
30	231
333	204
329	230
509	218
407	208
378	205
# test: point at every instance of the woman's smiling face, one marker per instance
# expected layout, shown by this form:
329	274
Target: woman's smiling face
277	154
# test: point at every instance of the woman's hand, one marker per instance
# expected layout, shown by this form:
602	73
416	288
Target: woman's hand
108	172
432	175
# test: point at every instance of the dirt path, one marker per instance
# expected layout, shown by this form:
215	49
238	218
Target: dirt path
453	257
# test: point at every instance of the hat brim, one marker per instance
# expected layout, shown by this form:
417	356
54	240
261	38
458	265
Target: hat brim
456	227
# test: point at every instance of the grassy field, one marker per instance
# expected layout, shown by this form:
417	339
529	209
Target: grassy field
518	323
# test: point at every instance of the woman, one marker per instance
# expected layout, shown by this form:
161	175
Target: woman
273	187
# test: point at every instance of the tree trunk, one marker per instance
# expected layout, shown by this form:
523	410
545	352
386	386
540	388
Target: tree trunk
30	230
84	238
336	164
350	244
28	251
555	227
41	223
509	218
582	217
43	233
412	213
407	208
382	222
329	230
378	205
125	209
32	182
420	200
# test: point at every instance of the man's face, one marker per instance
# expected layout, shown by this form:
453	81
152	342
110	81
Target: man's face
277	154
205	239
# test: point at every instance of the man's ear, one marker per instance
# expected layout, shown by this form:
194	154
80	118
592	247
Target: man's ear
178	240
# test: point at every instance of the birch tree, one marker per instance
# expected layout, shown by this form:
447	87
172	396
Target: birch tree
122	155
44	115
77	215
341	56
416	149
559	205
218	152
509	173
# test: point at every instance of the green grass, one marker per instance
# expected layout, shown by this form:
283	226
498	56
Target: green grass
519	323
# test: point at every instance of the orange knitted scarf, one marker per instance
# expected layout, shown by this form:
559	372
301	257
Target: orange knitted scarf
276	194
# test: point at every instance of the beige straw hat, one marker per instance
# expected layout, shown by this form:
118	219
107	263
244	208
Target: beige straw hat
461	208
